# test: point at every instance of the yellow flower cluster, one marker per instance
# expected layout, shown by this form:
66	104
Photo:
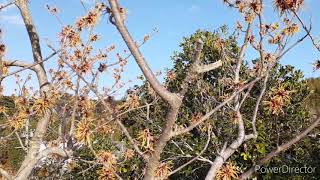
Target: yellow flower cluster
228	172
288	5
279	98
146	139
17	120
106	174
107	159
70	37
291	29
163	170
83	132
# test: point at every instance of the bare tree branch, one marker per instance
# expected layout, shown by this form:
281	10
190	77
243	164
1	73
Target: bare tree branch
283	147
307	31
227	152
20	141
208	67
195	158
256	109
41	128
207	115
31	29
156	85
7	5
191	72
53	150
25	65
242	53
16	63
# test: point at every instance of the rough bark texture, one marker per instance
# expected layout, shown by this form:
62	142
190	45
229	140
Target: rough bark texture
174	100
226	153
154	160
31	158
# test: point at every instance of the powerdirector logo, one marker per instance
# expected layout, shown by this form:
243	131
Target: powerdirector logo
285	169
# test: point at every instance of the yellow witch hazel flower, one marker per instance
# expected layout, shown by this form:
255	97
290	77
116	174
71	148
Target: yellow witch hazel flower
41	105
83	132
146	139
107	158
105	174
132	101
17	121
3	69
279	97
163	170
228	172
3	110
129	154
291	30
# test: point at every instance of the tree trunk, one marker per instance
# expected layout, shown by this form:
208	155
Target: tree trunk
154	160
31	160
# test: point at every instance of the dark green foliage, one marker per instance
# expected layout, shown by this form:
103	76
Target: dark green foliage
206	93
314	100
10	155
203	95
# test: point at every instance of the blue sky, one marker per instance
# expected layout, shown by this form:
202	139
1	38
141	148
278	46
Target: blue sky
173	18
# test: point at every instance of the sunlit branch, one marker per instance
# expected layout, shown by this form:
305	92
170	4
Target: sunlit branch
156	85
24	65
280	148
207	115
7	5
307	31
208	67
123	128
195	158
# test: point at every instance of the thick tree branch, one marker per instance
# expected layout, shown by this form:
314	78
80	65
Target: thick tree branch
192	71
25	65
45	153
166	134
283	147
156	85
5	174
41	128
227	152
172	114
53	150
208	67
16	63
31	29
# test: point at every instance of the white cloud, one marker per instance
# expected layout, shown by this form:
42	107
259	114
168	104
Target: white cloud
11	19
8	16
194	8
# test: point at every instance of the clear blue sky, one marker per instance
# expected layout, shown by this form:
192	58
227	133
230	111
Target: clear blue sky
173	18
